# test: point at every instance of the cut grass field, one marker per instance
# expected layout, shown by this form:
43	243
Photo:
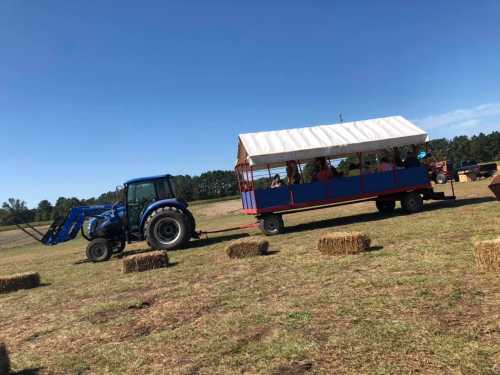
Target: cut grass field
415	303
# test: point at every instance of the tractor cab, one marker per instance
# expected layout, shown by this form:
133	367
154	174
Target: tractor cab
141	193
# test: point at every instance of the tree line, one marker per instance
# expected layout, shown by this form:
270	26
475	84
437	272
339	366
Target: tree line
217	184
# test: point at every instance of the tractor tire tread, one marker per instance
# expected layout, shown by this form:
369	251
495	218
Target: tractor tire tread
151	242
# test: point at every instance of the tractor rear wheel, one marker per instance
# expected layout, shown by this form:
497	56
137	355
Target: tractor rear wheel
167	228
385	206
412	203
99	250
271	224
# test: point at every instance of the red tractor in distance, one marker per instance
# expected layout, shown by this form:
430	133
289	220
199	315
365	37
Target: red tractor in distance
440	171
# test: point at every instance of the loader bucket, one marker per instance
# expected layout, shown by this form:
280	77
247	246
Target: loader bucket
34	233
495	186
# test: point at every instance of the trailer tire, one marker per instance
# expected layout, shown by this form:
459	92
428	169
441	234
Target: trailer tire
385	206
441	178
167	228
271	224
412	203
99	250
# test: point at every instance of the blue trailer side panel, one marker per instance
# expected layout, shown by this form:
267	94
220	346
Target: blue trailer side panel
344	187
336	189
379	182
411	177
272	197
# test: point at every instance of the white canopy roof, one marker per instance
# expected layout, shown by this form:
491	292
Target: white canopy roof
277	147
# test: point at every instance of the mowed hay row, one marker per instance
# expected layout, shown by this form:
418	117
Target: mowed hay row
144	262
18	281
343	243
4	360
487	255
247	248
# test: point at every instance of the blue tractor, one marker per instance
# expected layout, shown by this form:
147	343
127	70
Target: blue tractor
148	210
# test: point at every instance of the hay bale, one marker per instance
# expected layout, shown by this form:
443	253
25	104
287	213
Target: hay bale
343	243
144	262
247	248
4	360
487	254
25	280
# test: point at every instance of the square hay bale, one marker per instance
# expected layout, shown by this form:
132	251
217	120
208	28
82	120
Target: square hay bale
144	262
487	254
25	280
4	360
343	243
247	248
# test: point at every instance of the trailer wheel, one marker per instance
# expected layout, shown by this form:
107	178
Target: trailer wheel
99	250
412	203
441	178
385	206
167	229
271	224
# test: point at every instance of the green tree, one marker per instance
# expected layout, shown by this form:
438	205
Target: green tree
16	211
44	210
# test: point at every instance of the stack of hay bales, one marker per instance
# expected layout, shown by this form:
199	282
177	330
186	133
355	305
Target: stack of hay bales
343	243
144	262
487	254
4	360
19	281
247	248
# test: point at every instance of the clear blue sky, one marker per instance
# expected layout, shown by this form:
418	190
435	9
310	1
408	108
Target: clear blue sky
95	92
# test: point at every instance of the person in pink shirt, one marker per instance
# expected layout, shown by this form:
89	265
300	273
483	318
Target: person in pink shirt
322	172
384	165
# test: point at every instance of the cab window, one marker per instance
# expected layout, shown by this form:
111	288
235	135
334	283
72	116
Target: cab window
164	191
141	193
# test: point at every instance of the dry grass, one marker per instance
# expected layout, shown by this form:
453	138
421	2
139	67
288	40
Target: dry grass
487	255
415	306
143	262
4	360
343	243
26	280
247	248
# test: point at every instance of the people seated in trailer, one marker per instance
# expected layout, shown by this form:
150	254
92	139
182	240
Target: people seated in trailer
335	172
292	173
276	182
367	168
397	158
321	172
384	165
411	160
354	169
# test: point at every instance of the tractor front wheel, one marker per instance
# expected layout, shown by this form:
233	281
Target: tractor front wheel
271	224
167	229
99	250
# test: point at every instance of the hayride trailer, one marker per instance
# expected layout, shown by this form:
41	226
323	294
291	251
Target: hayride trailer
268	151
